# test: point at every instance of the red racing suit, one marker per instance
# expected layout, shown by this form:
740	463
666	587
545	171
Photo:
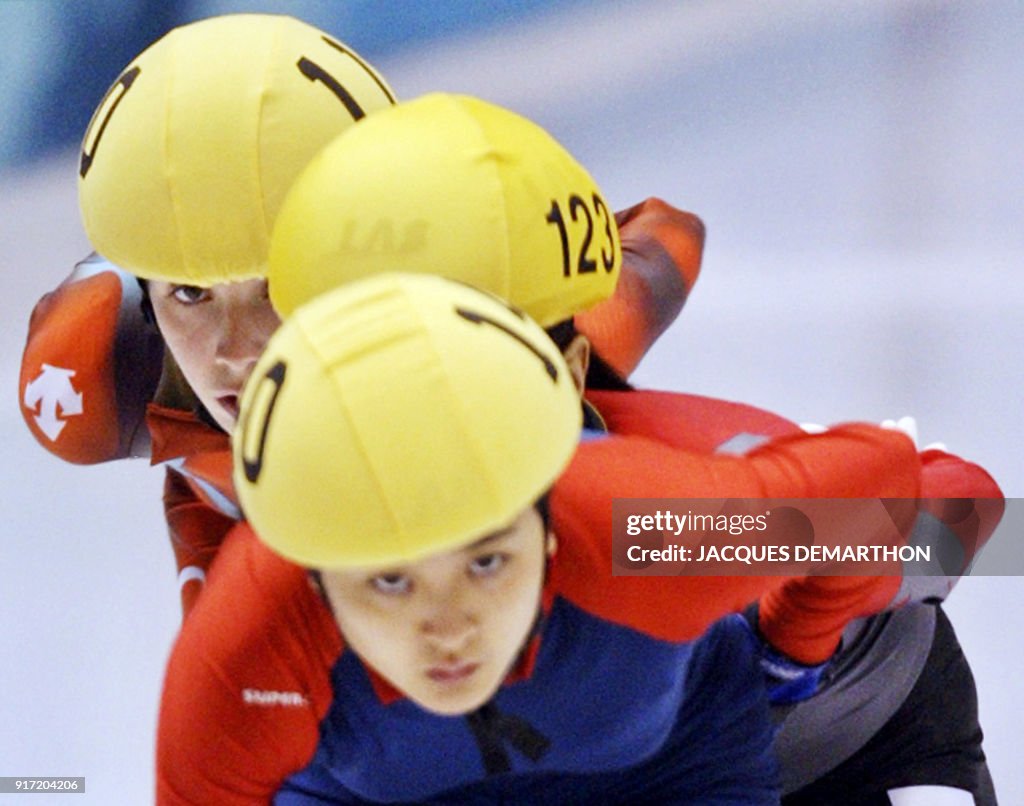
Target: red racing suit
259	686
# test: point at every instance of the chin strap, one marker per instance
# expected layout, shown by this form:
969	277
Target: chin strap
492	729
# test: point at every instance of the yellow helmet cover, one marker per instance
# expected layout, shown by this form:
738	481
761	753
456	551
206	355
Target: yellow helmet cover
399	416
188	156
451	185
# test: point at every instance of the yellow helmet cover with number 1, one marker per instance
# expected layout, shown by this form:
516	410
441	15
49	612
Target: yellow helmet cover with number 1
400	416
450	185
189	154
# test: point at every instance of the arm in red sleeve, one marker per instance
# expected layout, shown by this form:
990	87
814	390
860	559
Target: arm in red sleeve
661	255
196	531
90	365
852	461
199	499
960	503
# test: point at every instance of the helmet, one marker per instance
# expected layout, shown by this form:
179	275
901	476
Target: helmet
189	154
450	185
399	416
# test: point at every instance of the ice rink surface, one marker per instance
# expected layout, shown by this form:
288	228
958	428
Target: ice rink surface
859	174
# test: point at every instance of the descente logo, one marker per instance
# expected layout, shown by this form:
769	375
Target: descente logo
258	696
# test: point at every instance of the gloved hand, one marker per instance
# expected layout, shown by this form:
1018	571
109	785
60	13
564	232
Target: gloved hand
906	424
788	681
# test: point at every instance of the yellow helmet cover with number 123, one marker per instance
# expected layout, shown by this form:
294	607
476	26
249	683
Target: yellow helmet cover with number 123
450	185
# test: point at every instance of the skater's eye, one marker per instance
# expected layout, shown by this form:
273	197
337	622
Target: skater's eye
488	564
391	584
190	294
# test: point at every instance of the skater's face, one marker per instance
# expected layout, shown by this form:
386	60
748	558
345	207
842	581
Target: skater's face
215	335
447	629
